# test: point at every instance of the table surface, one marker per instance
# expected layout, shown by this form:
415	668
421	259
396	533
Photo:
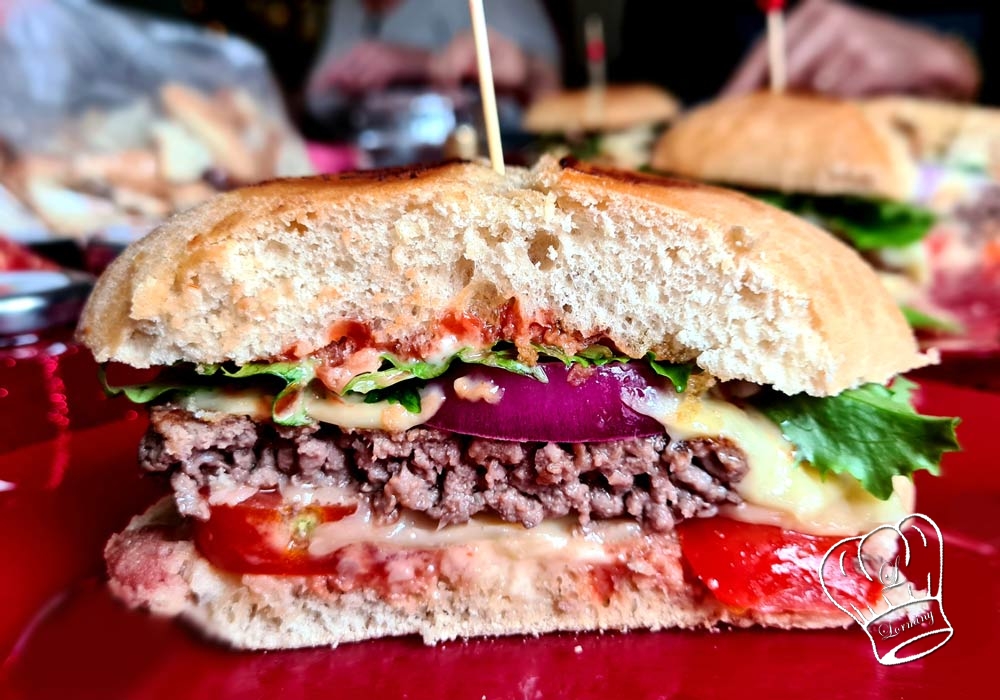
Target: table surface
65	637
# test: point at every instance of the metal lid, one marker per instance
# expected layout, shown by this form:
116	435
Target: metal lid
37	300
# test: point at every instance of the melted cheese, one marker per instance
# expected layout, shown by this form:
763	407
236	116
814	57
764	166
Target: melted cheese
776	490
488	553
347	413
560	536
246	402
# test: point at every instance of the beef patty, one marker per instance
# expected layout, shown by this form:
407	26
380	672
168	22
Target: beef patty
447	476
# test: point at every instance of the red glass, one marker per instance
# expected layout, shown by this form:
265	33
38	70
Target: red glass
48	387
84	644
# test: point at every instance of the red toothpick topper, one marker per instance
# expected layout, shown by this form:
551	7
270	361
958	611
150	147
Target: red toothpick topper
595	51
593	29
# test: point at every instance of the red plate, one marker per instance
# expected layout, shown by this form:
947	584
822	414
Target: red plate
81	643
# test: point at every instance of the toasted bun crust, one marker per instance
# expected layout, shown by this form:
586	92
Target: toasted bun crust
619	107
656	265
151	567
793	143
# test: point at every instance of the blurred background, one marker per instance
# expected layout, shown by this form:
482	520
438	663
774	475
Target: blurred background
116	114
374	73
690	47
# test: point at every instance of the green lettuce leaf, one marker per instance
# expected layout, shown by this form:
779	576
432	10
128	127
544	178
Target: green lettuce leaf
586	148
504	358
678	374
921	321
397	381
868	224
398	371
406	395
138	393
593	356
289	407
872	433
401	371
291	372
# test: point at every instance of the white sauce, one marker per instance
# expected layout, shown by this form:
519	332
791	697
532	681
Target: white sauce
562	537
347	412
471	388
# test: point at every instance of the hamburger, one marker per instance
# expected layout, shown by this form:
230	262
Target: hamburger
450	403
613	125
846	166
958	147
951	136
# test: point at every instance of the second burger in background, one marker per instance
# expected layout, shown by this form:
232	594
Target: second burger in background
614	125
834	162
958	146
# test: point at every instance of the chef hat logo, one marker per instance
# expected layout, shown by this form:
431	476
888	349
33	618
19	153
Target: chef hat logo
906	621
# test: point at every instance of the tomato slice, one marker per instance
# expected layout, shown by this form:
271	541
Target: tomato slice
265	535
766	568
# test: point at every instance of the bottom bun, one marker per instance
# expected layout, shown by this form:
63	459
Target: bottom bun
154	565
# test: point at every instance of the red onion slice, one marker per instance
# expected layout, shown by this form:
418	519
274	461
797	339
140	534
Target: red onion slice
530	411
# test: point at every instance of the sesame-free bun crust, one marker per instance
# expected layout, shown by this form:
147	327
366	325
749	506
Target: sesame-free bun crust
792	143
939	131
617	107
151	566
685	271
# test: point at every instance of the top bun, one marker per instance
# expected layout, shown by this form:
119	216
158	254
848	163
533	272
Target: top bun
792	143
685	271
949	132
616	107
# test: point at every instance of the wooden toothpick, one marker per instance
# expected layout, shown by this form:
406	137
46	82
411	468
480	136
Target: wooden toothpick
486	88
776	43
597	73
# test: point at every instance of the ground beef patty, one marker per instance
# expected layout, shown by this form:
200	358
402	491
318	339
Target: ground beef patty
449	477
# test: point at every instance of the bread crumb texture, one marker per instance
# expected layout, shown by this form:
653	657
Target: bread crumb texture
685	271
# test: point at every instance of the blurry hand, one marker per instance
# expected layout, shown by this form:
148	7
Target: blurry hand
457	61
514	70
838	49
373	65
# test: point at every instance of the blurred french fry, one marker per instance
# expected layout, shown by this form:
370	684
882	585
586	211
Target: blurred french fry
180	156
199	115
142	203
69	212
134	168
